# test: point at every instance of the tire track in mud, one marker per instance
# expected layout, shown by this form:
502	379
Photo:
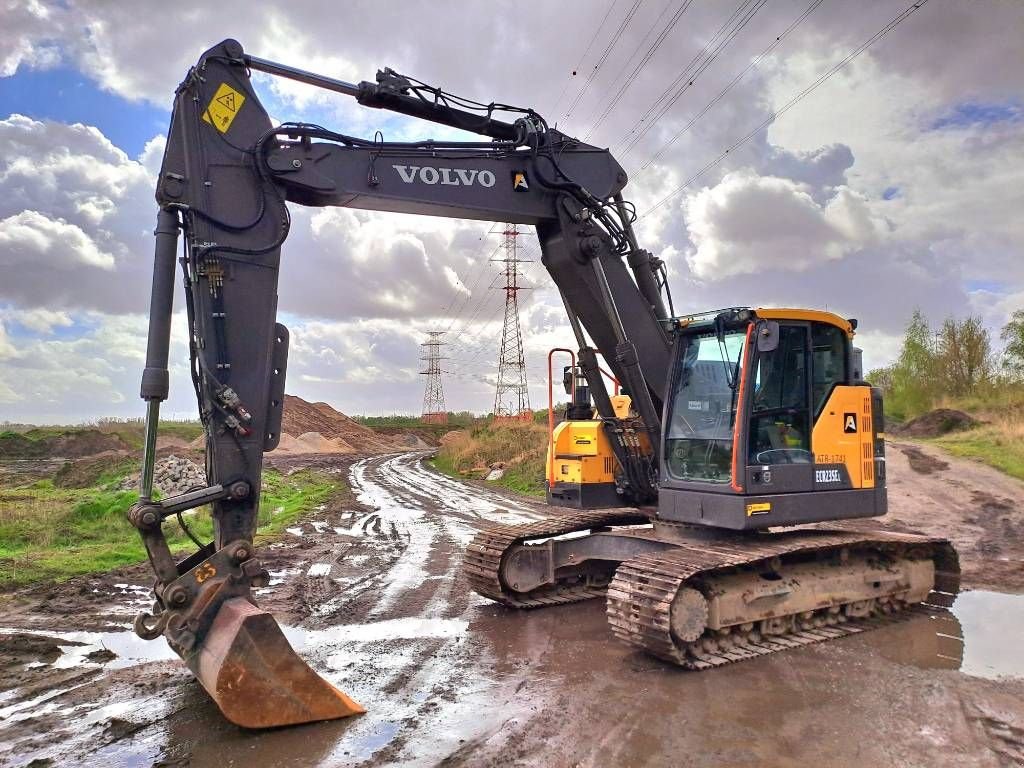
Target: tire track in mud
419	683
371	596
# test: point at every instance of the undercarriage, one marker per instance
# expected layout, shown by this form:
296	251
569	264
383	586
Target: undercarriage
699	597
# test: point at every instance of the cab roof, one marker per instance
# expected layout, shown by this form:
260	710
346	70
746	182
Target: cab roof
743	314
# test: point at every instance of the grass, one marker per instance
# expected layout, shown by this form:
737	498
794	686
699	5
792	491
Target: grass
50	534
999	443
520	447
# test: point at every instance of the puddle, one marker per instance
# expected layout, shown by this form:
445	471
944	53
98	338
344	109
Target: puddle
319	569
129	647
993	624
412	628
971	637
278	577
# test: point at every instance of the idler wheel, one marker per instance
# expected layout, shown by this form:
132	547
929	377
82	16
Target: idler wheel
688	615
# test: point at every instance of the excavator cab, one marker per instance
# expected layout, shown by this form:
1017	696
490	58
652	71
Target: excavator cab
768	423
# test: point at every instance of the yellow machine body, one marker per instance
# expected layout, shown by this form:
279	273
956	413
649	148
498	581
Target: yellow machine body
843	434
581	466
582	453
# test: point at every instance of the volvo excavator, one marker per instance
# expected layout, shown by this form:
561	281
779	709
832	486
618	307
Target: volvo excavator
689	493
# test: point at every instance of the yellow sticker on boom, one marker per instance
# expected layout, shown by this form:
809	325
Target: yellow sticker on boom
759	508
223	107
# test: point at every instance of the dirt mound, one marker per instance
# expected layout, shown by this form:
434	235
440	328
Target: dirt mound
321	429
83	473
15	446
314	442
936	423
411	440
68	445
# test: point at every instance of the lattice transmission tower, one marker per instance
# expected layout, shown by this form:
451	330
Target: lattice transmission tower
511	397
434	411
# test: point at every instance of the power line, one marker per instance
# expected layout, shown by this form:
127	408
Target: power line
469	295
662	36
604	57
590	45
698	64
685	71
754	63
893	23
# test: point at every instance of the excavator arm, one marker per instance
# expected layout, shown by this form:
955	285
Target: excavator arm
227	177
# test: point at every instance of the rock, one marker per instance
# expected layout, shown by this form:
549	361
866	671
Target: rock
172	476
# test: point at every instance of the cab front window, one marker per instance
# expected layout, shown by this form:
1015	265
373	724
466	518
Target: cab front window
699	438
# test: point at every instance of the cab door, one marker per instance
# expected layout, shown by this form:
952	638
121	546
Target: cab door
779	455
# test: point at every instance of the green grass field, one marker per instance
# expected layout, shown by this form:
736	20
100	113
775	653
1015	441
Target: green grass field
49	533
998	443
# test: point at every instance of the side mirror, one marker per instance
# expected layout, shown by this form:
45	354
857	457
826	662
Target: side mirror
767	332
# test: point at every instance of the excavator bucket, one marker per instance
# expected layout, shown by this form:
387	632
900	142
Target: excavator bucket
247	665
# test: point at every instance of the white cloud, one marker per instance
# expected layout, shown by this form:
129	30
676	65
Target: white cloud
42	320
72	202
30	237
749	224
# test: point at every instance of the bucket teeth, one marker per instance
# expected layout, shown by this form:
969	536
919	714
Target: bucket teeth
248	667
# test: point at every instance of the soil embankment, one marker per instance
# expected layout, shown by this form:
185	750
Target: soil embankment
319	428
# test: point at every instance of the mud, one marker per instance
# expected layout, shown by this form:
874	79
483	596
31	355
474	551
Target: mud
368	589
980	509
922	462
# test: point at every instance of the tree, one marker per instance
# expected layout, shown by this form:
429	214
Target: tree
964	355
914	376
1013	336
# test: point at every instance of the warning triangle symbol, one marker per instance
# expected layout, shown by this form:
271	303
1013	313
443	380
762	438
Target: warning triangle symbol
228	100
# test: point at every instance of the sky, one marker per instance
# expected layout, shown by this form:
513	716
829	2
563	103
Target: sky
773	159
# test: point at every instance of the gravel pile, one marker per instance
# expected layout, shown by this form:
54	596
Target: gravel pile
172	476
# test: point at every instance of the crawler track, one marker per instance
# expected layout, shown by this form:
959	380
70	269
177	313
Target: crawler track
483	558
641	594
639	597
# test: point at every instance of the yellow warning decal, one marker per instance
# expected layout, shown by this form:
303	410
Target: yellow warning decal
223	107
759	508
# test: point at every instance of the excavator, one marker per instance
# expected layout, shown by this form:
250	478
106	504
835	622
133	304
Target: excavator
685	499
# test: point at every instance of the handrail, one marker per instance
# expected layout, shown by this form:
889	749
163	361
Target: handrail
551	412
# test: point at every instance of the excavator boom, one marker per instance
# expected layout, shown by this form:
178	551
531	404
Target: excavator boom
226	179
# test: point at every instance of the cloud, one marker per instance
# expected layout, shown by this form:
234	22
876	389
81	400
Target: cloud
27	25
72	203
30	237
750	224
43	320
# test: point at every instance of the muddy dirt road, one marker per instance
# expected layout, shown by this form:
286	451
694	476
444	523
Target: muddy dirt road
370	593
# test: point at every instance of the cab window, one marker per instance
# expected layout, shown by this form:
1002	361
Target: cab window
828	361
779	414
